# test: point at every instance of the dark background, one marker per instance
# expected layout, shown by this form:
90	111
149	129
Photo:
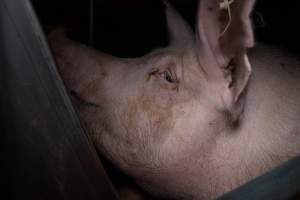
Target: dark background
130	28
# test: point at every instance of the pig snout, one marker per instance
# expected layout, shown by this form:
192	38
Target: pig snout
81	69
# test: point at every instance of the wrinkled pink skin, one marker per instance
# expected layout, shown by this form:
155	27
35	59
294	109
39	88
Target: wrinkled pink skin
187	138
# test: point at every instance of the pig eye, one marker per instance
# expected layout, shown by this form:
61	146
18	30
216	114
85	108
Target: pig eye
168	77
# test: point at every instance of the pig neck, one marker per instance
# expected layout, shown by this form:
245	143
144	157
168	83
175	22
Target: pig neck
272	99
268	132
266	135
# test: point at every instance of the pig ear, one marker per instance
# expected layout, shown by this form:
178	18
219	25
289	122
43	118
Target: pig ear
224	34
179	30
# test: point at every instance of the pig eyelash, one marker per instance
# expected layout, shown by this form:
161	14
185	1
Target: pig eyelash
168	77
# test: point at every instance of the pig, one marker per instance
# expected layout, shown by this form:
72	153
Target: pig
195	119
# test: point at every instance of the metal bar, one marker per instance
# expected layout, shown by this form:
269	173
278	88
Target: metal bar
281	183
46	154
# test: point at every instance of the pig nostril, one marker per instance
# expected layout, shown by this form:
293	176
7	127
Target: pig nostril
73	93
75	98
79	101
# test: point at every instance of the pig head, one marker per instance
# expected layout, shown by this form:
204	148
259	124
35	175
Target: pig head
174	118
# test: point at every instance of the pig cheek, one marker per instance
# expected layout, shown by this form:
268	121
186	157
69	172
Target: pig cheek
158	112
128	129
140	127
